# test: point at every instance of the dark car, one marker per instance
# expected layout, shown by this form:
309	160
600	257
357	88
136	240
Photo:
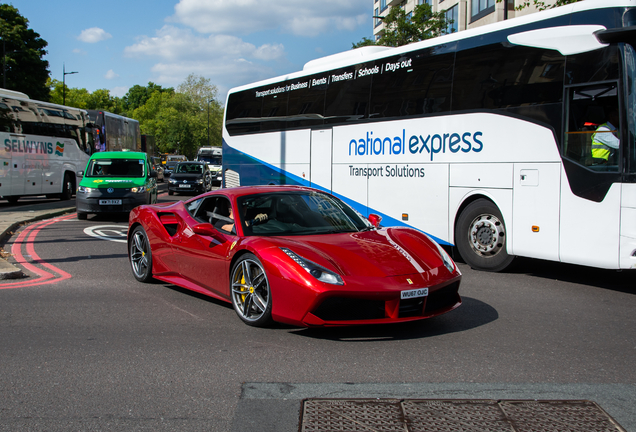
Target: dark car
190	177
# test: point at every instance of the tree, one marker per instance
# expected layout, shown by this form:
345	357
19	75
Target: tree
80	98
138	95
400	30
24	68
364	42
178	120
541	5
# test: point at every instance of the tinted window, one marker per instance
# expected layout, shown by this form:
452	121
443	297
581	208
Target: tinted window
347	97
493	77
298	213
413	84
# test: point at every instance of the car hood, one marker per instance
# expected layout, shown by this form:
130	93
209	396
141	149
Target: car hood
378	253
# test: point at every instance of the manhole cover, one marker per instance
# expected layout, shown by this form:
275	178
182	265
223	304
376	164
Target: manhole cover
424	415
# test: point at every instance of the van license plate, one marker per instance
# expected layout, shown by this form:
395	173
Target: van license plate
109	202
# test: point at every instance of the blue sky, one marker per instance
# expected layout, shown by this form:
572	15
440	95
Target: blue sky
116	44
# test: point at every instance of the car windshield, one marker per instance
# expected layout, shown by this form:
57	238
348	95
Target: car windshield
212	160
298	213
115	168
189	168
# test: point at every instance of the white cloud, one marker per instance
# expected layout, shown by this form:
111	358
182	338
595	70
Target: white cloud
111	75
172	43
119	91
298	17
93	35
79	51
222	58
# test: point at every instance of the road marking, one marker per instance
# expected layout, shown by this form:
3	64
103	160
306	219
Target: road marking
115	233
27	238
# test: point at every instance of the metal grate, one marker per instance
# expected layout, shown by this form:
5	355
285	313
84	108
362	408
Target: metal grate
427	415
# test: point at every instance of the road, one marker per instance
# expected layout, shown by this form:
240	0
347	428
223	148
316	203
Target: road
90	348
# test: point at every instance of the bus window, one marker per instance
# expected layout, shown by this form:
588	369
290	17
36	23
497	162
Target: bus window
588	140
630	85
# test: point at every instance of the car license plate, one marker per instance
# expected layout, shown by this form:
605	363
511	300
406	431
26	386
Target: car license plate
414	293
110	202
184	185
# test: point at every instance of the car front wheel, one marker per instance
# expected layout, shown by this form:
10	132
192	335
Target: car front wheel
251	295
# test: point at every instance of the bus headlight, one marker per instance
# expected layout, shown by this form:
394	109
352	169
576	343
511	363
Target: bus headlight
140	189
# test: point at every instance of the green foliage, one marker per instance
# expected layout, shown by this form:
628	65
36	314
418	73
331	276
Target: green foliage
179	120
400	30
23	50
541	5
364	42
138	96
80	98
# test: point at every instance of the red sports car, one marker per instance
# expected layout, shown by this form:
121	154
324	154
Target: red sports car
294	255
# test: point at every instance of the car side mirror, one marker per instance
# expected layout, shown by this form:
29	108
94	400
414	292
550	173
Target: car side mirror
80	173
206	229
153	173
375	220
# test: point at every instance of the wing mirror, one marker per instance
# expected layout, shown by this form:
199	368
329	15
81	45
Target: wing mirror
375	220
207	229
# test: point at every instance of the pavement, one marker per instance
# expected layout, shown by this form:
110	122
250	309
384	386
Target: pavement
12	217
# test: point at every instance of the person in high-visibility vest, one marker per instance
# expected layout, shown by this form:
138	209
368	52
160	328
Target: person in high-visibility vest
605	140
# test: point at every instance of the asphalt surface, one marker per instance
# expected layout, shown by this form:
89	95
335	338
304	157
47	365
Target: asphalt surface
276	406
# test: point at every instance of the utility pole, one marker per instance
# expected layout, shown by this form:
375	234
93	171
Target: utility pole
64	73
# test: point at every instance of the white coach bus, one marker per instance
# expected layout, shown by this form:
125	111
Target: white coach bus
483	139
42	147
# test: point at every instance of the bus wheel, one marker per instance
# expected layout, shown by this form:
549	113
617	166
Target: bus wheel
13	199
480	236
67	188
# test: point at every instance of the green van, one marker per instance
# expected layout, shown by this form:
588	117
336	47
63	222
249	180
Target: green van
116	182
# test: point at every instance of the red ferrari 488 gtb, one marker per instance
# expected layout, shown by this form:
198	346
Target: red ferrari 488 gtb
294	255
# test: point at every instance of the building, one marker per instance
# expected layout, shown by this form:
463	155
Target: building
465	14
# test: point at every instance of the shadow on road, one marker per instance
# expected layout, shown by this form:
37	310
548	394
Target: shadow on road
471	314
622	281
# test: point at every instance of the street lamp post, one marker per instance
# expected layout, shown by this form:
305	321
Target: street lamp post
64	73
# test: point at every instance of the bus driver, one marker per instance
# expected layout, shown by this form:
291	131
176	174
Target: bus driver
604	140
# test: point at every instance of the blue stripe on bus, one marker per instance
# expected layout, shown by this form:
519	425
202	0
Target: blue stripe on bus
260	170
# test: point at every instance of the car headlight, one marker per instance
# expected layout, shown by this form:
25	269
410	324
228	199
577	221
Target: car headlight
172	181
448	261
140	189
84	189
317	271
200	181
